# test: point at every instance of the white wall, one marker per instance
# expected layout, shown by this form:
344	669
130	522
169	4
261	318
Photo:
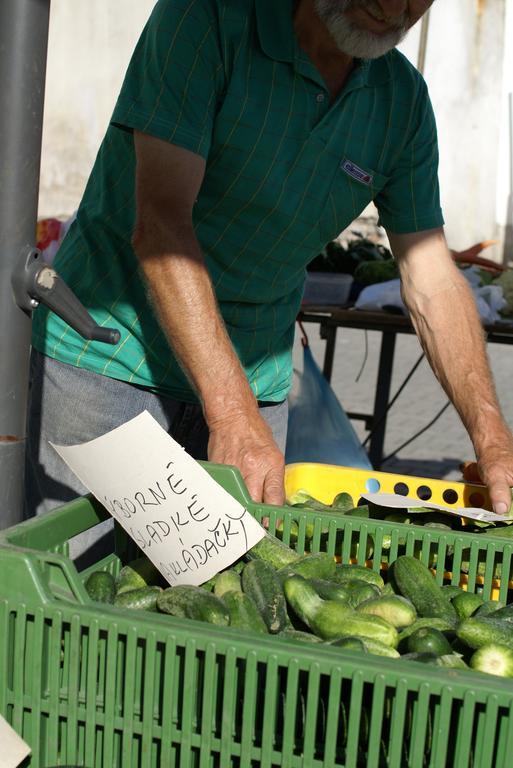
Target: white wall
466	77
469	71
89	47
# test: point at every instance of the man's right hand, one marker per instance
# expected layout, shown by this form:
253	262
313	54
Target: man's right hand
246	442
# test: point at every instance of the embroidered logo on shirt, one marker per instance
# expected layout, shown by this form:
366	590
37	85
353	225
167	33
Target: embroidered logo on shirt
356	172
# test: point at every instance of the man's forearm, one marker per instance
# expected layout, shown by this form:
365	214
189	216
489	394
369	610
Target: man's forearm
445	317
183	297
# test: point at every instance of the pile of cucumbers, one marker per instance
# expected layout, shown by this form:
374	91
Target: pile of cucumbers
343	505
312	598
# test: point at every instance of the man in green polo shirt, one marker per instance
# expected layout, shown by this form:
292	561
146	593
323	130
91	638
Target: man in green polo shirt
246	136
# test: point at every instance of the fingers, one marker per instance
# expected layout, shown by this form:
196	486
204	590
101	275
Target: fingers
500	494
274	487
248	444
496	469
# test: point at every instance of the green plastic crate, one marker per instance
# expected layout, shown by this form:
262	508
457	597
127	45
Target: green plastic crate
103	687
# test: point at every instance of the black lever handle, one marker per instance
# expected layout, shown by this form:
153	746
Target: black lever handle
34	281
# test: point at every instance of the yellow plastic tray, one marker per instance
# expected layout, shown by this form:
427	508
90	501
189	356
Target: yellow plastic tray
324	481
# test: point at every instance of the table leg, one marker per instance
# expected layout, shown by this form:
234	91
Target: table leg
382	397
329	333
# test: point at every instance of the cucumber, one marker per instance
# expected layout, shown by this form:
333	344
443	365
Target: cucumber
305	500
424	658
314	566
208	586
273	551
190	602
138	573
494	659
395	609
260	582
452	661
450	591
467	604
101	587
311	609
428	640
505	613
346	572
296	634
489	608
342	502
141	599
302	598
361	511
243	612
359	591
328	590
333	620
398	517
477	632
227	581
373	647
294	530
350	644
416	582
440	624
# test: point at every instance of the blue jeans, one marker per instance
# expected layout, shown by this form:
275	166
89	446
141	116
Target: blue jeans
69	405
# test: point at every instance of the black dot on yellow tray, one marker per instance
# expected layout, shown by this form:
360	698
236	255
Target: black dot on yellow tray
424	493
401	489
450	496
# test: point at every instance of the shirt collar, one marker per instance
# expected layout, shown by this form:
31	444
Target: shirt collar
278	41
275	30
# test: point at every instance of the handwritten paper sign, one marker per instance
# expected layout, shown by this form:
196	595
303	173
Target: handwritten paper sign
182	519
404	502
14	749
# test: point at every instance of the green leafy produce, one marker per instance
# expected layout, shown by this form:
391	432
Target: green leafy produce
371	272
505	280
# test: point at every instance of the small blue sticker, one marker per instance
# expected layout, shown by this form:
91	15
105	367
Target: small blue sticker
356	172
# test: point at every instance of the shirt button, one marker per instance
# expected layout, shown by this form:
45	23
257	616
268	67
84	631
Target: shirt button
319	98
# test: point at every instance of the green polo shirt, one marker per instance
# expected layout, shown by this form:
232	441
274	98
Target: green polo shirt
287	170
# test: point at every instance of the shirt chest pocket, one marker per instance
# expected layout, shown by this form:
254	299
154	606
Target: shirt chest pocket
354	186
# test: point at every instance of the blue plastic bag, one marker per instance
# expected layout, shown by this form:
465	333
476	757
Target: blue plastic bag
319	429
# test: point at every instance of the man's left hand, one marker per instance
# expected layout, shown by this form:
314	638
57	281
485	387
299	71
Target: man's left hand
495	469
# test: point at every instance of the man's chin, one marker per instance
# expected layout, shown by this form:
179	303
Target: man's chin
351	38
364	45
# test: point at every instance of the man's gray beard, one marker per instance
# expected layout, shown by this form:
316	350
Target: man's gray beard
349	38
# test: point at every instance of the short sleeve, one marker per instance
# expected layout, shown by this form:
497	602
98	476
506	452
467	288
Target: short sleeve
176	76
410	201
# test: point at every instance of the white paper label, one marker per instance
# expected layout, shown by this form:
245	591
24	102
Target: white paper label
404	502
13	749
181	518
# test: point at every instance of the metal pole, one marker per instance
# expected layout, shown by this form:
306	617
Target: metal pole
424	29
23	46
